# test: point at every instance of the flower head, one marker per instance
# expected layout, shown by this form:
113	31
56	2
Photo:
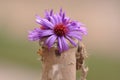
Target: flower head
57	28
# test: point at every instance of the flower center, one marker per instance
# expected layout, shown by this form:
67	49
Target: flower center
60	30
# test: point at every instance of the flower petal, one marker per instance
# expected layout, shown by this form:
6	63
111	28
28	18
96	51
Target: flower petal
79	37
48	13
38	19
50	41
64	44
52	20
51	12
59	19
71	41
83	30
56	19
46	33
63	17
80	30
47	23
74	25
60	44
34	34
75	32
61	12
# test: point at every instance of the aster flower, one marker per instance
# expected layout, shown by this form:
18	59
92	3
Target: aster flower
57	28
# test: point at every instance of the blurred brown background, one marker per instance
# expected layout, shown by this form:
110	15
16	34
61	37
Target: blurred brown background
101	17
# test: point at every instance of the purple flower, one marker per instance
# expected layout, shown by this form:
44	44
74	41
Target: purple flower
34	35
57	28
